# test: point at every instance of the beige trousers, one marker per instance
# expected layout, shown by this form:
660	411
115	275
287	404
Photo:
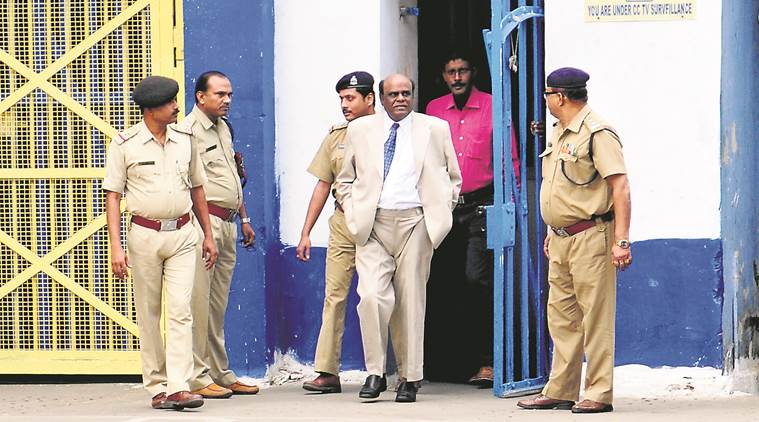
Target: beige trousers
163	260
393	268
581	311
339	270
209	305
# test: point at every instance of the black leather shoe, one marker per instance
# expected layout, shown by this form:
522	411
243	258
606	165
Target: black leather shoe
373	386
406	392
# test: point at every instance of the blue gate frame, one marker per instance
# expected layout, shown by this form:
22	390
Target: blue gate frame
508	219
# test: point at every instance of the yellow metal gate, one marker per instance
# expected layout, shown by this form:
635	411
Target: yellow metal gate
67	69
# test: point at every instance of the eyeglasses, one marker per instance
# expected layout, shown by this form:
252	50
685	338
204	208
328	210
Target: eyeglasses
547	93
396	94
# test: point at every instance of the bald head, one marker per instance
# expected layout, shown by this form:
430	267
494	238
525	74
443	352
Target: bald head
396	93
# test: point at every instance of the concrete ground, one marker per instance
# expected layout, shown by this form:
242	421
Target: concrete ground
436	402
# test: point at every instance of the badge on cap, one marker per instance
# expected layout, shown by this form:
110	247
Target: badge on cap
354	80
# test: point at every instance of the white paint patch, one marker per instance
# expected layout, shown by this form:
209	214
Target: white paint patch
640	381
316	43
658	84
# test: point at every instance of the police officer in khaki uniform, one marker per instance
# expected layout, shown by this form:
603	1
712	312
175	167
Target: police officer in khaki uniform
212	137
156	167
356	100
585	200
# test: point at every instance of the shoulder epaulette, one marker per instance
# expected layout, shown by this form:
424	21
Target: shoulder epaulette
594	125
185	126
338	126
127	134
179	127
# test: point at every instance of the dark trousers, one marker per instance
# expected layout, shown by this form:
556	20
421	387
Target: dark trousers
459	319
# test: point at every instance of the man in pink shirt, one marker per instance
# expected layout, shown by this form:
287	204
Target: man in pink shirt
469	298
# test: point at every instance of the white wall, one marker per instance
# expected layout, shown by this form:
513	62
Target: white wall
315	43
658	83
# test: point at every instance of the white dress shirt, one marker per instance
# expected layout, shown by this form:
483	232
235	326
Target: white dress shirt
399	191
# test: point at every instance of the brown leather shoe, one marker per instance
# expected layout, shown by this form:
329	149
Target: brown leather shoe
159	402
213	391
240	388
590	406
542	402
324	383
483	377
182	399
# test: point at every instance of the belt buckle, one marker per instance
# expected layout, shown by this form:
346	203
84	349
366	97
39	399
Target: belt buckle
561	231
232	216
168	225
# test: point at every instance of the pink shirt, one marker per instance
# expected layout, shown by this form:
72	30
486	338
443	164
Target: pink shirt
472	135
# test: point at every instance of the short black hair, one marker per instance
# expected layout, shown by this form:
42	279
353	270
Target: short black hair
382	86
456	55
577	94
201	84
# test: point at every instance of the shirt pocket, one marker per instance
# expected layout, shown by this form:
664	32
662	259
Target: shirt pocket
183	172
577	169
480	150
145	176
546	160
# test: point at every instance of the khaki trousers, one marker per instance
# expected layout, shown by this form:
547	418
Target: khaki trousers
581	311
209	305
158	260
393	268
339	270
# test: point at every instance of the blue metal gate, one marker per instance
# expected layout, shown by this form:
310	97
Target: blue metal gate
515	230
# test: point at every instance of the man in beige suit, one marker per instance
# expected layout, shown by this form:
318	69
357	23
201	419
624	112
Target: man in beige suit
399	183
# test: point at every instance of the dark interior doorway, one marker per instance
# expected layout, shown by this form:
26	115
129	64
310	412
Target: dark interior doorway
446	26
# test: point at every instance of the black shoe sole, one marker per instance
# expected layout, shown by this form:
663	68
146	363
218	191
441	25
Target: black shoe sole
325	390
558	406
607	408
372	395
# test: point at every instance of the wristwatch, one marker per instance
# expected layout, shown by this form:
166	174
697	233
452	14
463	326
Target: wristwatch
245	220
623	243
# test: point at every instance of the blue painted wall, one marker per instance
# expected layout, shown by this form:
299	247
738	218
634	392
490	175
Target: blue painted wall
669	304
237	38
740	114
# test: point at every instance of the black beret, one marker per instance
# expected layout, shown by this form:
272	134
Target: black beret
568	78
358	79
154	91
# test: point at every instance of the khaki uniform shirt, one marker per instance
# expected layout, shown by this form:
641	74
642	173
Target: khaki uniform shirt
562	202
329	159
214	144
155	178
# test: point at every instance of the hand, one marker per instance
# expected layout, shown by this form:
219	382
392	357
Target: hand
538	128
248	235
119	263
303	252
621	258
545	245
210	253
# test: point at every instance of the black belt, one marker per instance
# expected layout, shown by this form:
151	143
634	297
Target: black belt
479	196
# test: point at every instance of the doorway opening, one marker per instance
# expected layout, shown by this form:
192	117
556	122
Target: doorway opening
453	342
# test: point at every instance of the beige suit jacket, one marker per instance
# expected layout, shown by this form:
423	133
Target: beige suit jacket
359	182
